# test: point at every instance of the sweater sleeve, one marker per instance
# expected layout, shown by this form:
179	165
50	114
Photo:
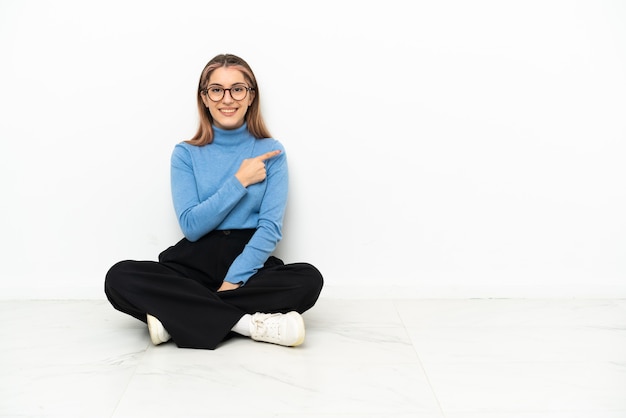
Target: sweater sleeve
269	228
195	217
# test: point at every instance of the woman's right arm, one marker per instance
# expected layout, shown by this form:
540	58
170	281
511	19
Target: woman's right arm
195	217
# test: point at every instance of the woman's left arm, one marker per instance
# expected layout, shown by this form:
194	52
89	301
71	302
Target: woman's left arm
269	227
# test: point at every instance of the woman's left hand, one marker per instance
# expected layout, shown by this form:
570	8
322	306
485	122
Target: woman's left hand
228	286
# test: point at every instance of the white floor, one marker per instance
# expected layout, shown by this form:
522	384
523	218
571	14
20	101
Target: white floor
362	358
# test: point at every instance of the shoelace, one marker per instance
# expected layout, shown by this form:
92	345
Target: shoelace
263	328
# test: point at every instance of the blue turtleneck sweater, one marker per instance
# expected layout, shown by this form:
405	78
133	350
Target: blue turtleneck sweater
207	195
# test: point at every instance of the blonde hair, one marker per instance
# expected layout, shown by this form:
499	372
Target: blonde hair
256	125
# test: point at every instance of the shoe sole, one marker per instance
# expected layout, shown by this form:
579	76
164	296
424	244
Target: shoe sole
153	326
300	325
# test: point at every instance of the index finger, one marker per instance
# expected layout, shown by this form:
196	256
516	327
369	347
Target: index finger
269	155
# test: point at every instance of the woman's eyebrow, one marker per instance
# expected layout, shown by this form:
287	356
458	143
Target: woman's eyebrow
234	84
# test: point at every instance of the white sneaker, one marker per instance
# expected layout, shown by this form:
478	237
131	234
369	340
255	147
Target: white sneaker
158	334
277	328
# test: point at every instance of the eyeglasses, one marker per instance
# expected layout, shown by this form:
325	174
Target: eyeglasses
237	92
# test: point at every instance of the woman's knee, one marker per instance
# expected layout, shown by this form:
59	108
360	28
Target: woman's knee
117	275
316	275
311	277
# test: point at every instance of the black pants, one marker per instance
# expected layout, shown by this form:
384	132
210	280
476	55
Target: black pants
181	288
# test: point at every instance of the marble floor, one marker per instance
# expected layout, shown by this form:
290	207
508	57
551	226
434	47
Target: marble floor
477	358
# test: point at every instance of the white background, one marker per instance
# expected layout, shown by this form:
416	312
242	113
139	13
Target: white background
436	149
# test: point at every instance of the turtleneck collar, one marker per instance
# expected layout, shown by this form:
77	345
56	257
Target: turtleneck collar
233	137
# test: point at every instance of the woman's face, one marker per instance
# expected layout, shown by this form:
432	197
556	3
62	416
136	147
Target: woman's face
227	112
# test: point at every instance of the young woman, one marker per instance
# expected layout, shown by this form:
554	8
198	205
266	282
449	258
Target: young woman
229	187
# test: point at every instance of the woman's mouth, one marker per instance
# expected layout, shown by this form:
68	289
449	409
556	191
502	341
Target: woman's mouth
228	112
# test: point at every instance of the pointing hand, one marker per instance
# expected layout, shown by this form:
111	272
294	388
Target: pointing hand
252	170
